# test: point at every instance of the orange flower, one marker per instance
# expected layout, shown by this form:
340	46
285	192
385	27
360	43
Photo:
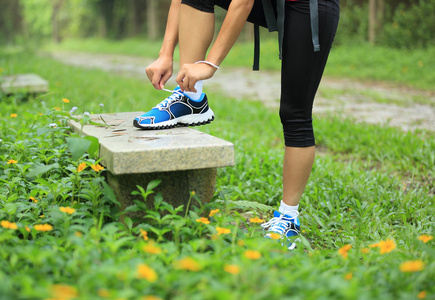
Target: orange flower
241	243
425	238
147	273
385	246
252	254
187	263
151	297
422	295
9	225
67	210
203	220
27	229
14	115
213	212
256	220
12	161
97	168
343	250
365	250
63	291
223	230
144	234
65	100
232	269
34	200
412	266
150	248
348	276
81	167
103	293
43	227
274	235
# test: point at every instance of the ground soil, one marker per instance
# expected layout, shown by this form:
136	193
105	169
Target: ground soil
362	101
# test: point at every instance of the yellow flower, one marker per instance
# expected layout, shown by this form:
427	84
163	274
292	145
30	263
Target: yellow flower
34	200
343	250
365	250
81	167
422	295
27	229
203	220
241	243
274	235
78	234
43	227
348	276
14	115
56	108
213	212
223	230
147	273
412	266
144	234
256	220
425	238
103	293
9	225
63	291
12	161
187	263
232	269
252	254
67	210
41	216
65	100
150	248
97	168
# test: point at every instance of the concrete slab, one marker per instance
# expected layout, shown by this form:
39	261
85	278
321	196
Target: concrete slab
128	150
184	159
29	83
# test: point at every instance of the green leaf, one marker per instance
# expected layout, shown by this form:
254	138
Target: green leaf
109	194
94	147
78	146
38	170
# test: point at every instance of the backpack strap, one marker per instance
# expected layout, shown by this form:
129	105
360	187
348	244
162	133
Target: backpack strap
276	23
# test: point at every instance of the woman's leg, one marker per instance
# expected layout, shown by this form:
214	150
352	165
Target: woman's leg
302	69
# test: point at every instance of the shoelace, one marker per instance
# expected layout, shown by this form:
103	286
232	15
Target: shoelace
275	223
176	95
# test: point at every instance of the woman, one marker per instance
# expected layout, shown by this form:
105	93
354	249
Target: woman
306	29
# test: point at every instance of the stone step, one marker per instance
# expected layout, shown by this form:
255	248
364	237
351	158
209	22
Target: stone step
28	83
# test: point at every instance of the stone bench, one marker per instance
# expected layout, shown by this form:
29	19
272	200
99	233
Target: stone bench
184	159
27	83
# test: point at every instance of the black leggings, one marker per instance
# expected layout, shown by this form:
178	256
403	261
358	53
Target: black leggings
302	68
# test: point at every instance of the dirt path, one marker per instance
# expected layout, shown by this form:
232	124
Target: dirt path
370	102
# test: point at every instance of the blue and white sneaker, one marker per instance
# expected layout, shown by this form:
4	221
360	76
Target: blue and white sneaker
284	225
176	110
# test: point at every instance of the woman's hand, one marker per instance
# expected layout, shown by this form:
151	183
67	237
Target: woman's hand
190	74
159	72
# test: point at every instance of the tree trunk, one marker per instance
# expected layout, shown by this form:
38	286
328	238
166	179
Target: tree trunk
152	19
372	21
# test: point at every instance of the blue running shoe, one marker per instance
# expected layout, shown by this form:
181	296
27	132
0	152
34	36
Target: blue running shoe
176	110
284	225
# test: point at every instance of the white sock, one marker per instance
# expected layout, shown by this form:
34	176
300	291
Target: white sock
289	210
195	96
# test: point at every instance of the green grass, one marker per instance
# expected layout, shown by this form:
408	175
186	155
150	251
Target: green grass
412	68
369	183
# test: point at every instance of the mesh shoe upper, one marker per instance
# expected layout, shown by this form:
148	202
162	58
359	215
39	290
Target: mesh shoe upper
284	225
173	107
